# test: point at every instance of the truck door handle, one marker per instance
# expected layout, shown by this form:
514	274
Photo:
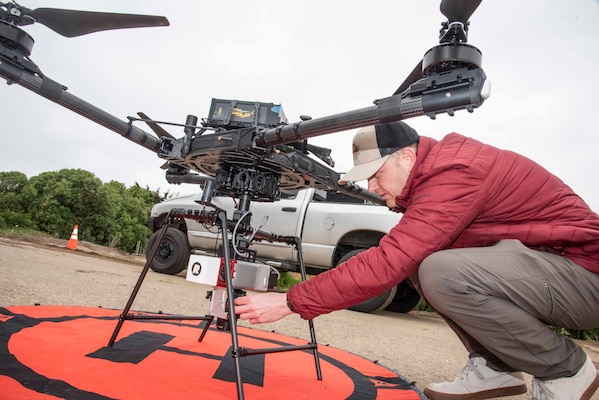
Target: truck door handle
289	209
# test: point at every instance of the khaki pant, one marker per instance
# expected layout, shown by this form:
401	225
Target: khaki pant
500	300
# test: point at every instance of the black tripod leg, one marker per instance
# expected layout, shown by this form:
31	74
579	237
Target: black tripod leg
298	245
125	313
222	216
207	321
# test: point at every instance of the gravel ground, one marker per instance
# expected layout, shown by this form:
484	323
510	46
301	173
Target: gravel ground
417	345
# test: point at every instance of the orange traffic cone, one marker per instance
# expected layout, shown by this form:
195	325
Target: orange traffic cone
73	240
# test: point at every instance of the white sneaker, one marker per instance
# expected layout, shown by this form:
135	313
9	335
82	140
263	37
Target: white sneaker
477	382
580	386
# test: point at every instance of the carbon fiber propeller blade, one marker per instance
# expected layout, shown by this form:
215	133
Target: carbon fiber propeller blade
158	130
71	23
459	10
415	75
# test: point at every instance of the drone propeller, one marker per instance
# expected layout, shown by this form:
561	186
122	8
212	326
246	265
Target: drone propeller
455	11
459	10
71	23
158	130
414	76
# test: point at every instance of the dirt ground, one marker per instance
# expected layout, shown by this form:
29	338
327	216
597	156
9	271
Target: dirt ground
40	270
87	248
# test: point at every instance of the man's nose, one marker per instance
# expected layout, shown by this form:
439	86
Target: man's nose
372	186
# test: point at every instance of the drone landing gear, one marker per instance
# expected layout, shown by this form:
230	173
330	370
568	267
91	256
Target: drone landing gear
230	324
126	315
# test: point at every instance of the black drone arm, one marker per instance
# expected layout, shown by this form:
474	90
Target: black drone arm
458	89
59	94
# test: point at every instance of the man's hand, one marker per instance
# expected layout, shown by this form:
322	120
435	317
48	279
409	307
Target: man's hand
262	308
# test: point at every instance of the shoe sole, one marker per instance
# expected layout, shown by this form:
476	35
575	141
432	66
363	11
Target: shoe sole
486	394
591	389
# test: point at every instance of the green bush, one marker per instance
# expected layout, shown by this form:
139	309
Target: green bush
107	214
287	280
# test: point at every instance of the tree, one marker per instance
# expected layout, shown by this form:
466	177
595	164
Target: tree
59	200
132	207
137	204
13	208
53	202
115	192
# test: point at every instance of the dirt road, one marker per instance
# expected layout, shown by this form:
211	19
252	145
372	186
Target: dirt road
417	345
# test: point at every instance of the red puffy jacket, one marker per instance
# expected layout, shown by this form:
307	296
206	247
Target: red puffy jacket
461	193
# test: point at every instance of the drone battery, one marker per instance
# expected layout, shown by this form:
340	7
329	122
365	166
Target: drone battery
246	275
244	114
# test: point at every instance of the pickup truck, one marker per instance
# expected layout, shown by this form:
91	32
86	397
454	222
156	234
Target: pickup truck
332	226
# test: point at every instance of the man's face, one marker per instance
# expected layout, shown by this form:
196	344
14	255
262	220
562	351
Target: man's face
390	180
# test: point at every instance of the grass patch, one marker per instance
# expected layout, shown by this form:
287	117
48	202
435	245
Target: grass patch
17	231
288	279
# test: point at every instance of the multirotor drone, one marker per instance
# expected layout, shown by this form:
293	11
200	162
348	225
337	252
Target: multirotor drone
249	149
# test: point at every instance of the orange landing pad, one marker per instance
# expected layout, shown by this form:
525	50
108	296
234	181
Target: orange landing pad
52	352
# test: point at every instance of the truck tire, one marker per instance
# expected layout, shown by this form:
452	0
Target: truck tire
406	298
173	252
374	304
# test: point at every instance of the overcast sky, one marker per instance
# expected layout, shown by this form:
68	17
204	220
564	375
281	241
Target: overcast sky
315	58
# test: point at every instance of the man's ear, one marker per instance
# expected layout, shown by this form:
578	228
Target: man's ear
408	157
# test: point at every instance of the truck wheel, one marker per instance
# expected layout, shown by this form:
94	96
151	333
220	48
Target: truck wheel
406	298
374	304
173	252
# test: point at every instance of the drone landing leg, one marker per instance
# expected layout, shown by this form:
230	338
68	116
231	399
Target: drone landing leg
243	352
298	246
222	218
238	352
125	315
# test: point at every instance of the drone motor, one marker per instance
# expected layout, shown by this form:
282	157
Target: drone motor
15	38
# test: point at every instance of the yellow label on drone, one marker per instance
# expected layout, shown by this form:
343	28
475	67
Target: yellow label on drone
238	112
